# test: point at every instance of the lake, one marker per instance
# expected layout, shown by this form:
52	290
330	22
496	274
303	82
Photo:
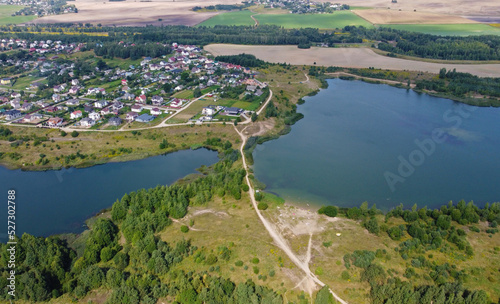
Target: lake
54	202
367	142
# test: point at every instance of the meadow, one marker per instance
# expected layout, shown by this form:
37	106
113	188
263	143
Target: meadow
321	21
231	18
6	17
448	29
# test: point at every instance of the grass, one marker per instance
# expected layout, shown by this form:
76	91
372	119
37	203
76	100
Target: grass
99	145
448	29
186	94
6	17
231	18
322	21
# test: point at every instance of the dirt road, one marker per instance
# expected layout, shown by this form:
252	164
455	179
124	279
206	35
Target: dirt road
278	238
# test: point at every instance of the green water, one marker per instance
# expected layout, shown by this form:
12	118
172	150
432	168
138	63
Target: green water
358	142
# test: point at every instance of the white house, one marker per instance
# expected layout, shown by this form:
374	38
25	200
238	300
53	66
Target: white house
95	116
208	111
100	104
155	111
87	122
137	108
75	114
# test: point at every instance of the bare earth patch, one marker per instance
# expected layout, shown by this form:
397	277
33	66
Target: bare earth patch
131	13
346	57
259	128
450	7
385	16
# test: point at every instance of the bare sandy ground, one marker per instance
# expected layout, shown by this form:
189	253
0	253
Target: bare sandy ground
346	57
450	7
385	16
136	13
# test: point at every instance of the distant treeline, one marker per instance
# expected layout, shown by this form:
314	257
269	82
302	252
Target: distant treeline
222	7
245	60
390	40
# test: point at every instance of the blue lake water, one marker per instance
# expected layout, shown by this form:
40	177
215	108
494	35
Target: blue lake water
55	202
367	142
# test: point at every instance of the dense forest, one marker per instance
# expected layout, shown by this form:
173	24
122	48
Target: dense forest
386	39
245	60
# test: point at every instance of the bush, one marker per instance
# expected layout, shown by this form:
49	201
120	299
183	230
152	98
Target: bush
245	187
262	206
255	269
372	226
184	228
330	211
345	275
239	263
255	261
75	134
63	134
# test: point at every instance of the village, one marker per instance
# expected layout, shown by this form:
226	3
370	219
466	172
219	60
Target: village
303	6
55	92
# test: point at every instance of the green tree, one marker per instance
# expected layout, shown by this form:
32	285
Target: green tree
324	296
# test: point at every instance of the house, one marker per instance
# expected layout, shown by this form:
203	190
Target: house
176	103
15	103
75	114
56	98
137	108
128	96
12	114
157	100
117	105
26	106
155	111
141	99
100	104
15	95
144	118
72	102
75	82
94	116
59	88
251	88
87	122
131	116
233	111
5	81
106	111
50	109
55	122
124	82
74	90
208	111
114	121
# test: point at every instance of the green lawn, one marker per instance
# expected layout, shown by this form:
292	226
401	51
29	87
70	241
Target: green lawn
231	18
448	29
322	21
186	94
7	10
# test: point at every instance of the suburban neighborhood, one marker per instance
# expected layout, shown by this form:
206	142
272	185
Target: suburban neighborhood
56	92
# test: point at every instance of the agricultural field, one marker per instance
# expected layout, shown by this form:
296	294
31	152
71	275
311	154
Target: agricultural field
449	29
385	16
231	18
322	21
7	10
346	57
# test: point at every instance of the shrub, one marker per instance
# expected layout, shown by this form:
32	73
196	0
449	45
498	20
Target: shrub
262	206
255	260
74	134
345	275
245	187
255	269
330	211
239	263
184	228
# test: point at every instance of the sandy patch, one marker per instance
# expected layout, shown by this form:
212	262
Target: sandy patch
346	57
132	13
259	128
385	16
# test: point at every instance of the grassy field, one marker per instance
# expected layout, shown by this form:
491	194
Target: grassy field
7	10
321	21
231	18
186	94
101	147
448	29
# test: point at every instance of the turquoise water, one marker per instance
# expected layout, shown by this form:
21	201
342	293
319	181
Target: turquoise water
366	142
56	202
